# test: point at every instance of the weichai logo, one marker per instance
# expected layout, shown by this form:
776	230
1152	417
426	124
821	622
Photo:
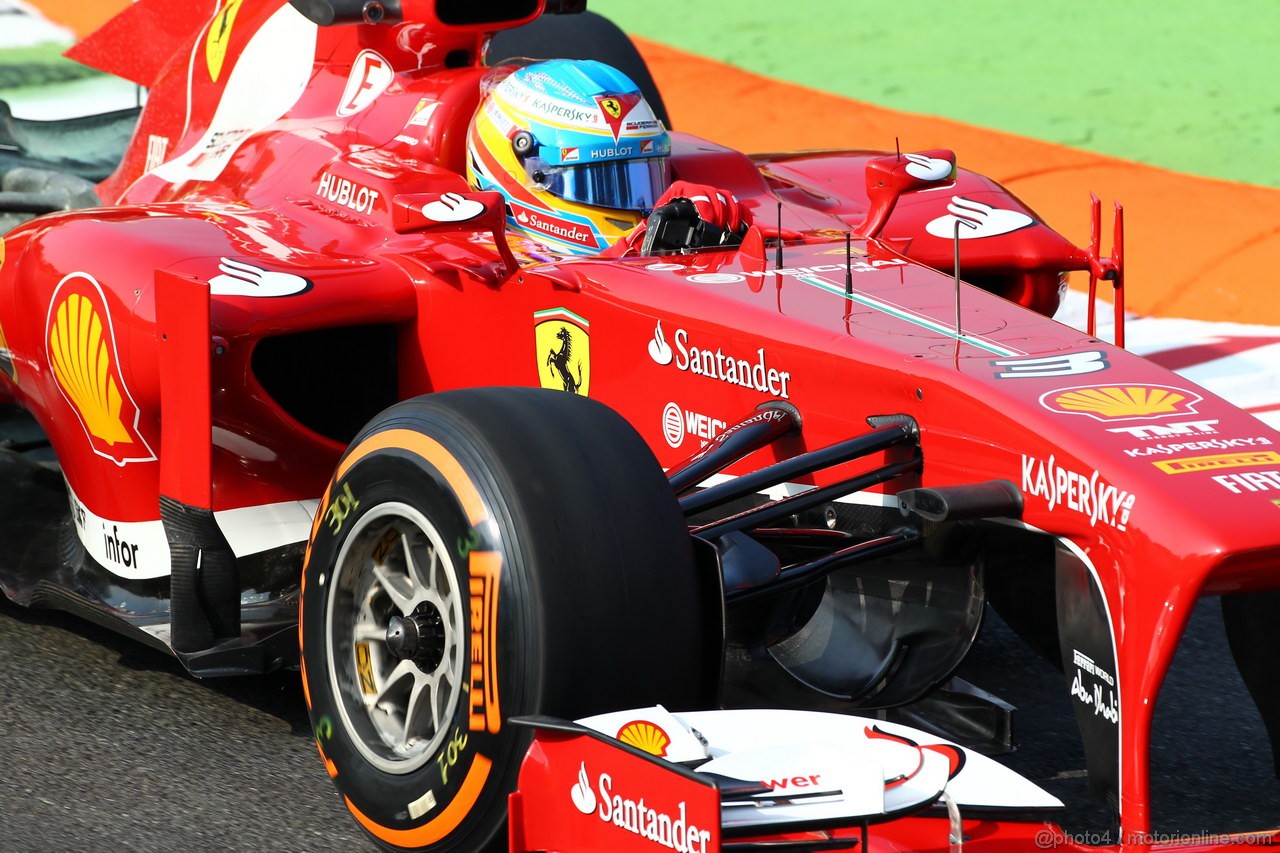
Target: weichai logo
1122	402
86	366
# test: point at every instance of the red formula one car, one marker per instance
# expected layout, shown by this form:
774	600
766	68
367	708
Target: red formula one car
300	395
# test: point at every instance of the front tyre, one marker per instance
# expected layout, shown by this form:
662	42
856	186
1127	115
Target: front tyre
482	554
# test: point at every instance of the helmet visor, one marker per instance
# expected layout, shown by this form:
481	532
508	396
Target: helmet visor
617	184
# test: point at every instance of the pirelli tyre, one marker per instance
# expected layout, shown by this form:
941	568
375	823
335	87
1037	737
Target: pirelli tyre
482	554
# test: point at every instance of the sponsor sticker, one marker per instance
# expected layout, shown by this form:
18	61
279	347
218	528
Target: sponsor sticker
976	220
129	549
1094	687
1185	446
1089	495
926	168
364	669
1250	481
678	422
157	151
1194	464
554	227
346	193
645	735
452	207
422	113
1062	364
485	569
1147	432
86	368
370	76
669	829
215	43
614	108
754	373
237	278
620	151
562	341
1122	402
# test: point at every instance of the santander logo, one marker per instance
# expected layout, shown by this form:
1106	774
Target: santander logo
584	799
927	168
659	349
672	831
452	207
553	226
977	220
240	279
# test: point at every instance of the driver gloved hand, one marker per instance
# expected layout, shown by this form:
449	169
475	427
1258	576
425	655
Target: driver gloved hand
688	216
716	207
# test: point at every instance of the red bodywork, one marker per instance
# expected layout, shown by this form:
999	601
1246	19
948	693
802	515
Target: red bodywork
172	403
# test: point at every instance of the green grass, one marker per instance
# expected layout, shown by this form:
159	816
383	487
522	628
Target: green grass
1183	84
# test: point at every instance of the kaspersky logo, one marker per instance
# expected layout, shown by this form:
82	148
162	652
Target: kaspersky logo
1122	402
86	367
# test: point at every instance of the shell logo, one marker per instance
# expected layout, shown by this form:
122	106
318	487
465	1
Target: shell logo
1122	402
646	736
82	355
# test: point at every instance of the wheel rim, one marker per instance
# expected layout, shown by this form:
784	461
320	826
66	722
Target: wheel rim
394	630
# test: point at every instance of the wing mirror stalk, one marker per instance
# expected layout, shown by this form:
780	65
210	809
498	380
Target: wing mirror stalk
889	177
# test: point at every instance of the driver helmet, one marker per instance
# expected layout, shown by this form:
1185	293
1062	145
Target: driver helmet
575	149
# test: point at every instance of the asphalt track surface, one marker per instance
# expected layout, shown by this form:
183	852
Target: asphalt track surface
109	746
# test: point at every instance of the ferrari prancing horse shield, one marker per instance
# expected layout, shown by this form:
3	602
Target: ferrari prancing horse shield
563	346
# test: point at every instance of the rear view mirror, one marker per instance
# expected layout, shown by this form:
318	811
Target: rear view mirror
889	177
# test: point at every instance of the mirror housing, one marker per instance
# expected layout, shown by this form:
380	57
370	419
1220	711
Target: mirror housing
890	176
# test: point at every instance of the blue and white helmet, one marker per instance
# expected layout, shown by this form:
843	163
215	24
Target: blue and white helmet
574	147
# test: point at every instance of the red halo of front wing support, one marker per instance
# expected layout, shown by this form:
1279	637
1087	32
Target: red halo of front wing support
581	791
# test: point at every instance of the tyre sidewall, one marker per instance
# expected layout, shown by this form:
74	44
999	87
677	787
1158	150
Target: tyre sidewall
456	798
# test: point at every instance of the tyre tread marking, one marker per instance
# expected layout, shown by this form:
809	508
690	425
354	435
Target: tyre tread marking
434	453
443	824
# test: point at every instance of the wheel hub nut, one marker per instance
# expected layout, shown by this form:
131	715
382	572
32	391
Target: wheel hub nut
418	637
